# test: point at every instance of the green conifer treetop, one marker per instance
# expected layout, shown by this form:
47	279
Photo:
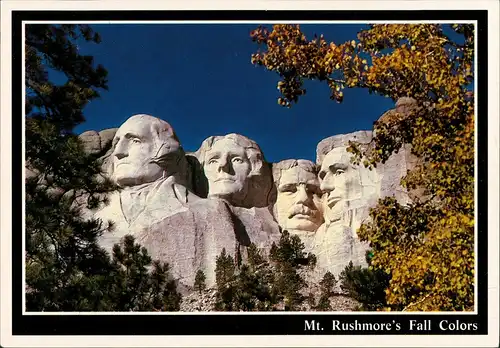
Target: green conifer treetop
199	281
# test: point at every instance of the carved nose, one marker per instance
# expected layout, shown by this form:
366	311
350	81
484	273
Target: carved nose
120	151
327	184
120	155
224	165
302	196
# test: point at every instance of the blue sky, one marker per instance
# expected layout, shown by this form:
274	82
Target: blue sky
198	77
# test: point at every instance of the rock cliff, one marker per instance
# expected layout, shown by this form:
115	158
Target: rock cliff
185	207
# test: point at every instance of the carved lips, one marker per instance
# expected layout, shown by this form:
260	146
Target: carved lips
301	212
225	180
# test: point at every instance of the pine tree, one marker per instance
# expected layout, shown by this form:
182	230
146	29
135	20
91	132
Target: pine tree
245	290
327	286
66	269
365	285
255	259
287	258
224	269
311	300
328	283
264	285
261	280
134	287
323	303
199	281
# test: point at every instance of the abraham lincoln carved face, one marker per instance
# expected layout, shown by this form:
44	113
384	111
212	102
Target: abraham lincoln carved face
339	182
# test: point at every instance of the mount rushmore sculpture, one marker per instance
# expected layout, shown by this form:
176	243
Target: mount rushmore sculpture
186	207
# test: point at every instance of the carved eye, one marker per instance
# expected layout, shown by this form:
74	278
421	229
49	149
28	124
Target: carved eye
237	160
136	141
212	161
289	189
313	190
339	171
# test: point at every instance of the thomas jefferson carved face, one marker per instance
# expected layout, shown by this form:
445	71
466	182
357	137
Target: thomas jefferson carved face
298	199
227	168
339	181
141	143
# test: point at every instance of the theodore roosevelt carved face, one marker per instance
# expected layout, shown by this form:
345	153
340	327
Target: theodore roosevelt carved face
229	162
145	149
298	196
339	182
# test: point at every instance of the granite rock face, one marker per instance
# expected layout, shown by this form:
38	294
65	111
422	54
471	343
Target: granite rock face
156	205
97	142
91	142
327	144
233	169
349	191
186	207
298	197
191	239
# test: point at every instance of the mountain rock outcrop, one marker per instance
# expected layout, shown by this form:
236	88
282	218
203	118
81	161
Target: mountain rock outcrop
186	207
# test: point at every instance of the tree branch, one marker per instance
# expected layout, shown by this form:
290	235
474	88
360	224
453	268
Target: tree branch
416	303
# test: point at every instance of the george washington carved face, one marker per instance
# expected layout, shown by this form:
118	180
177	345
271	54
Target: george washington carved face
143	146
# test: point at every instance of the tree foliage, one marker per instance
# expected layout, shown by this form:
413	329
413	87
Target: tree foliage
224	268
199	281
327	286
243	289
288	257
328	283
427	247
138	283
51	48
130	281
66	269
263	283
365	285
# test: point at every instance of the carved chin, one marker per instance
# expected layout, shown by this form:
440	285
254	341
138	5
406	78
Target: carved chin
126	174
227	190
333	216
302	223
123	180
225	187
334	213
